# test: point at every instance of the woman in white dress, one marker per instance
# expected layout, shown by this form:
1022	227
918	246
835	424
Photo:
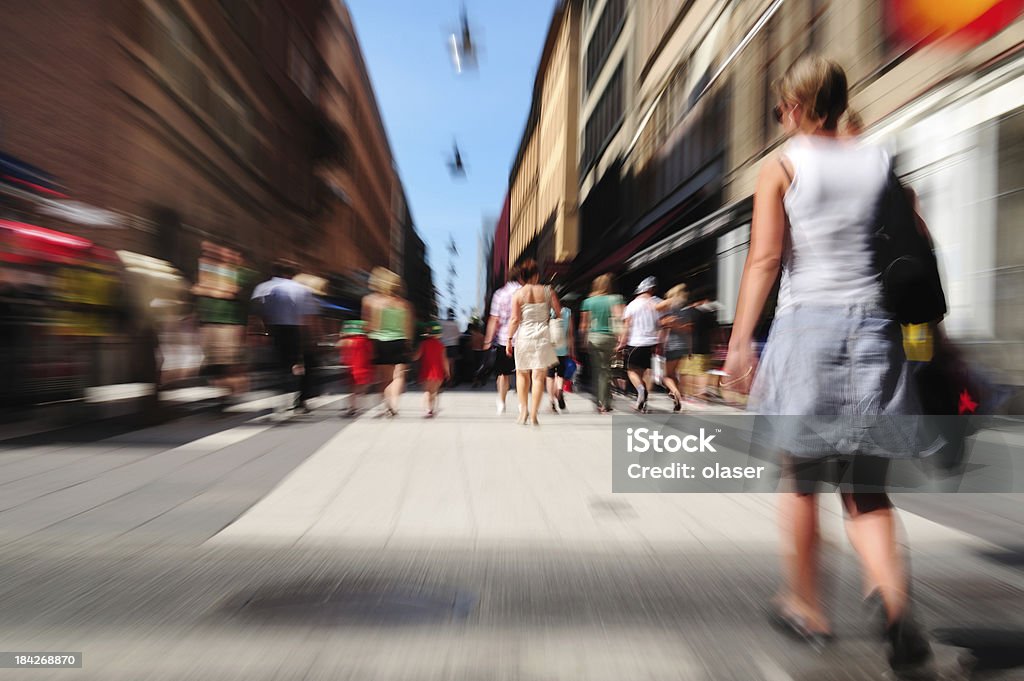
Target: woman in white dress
530	338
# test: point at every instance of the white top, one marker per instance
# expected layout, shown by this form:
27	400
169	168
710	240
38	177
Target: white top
832	208
643	319
501	307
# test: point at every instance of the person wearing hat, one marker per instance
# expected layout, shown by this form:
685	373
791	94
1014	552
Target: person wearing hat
640	337
389	325
434	366
357	355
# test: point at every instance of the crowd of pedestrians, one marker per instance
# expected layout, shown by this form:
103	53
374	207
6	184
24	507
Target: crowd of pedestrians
833	347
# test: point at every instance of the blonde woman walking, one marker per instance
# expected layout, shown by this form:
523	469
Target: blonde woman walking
389	325
832	350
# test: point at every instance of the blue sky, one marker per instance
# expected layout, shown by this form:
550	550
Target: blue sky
425	104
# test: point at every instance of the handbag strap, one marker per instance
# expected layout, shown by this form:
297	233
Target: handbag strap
782	163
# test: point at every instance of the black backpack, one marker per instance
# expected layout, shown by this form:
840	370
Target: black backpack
908	269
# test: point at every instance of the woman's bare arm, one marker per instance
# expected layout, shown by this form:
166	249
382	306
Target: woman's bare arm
767	234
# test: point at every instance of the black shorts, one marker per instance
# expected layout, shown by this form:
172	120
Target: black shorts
388	353
504	364
452	351
859	474
559	368
639	358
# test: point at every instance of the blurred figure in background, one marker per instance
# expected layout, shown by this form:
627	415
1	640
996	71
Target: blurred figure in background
451	338
498	334
703	318
600	319
640	338
389	325
678	324
288	310
832	348
556	373
357	355
435	366
476	351
530	339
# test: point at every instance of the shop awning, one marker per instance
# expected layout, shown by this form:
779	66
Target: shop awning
22	242
721	219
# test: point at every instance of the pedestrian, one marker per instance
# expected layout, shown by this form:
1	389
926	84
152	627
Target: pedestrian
677	322
497	334
288	311
832	349
434	366
600	322
640	338
530	338
557	372
356	354
451	338
476	349
703	316
389	324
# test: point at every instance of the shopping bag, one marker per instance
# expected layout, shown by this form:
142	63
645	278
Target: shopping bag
570	369
658	369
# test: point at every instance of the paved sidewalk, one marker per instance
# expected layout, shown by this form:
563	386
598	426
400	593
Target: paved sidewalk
469	478
464	547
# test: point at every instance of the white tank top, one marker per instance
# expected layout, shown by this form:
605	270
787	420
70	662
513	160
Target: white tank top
832	206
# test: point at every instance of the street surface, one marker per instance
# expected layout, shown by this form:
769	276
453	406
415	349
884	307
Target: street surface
248	546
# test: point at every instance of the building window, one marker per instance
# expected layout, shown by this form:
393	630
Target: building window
300	63
608	28
604	120
245	17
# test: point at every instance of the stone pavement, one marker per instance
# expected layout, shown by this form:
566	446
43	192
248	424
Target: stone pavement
463	547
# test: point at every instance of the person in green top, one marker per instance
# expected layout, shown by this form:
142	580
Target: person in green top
600	317
389	323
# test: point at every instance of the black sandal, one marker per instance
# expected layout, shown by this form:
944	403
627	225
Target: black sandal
796	627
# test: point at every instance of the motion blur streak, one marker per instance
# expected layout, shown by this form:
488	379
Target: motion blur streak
210	270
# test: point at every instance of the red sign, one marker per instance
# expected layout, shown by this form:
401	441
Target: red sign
963	22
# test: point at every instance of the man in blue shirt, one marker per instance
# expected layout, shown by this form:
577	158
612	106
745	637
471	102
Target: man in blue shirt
288	310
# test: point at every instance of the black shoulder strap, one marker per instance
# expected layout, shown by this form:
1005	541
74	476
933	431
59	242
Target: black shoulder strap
789	176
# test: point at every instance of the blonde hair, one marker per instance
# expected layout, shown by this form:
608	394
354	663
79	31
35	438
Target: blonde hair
853	124
383	280
602	285
819	86
679	291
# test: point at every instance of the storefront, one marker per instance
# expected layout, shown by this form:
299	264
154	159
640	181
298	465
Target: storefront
960	148
59	304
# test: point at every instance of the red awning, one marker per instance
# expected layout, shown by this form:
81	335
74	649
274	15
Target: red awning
24	243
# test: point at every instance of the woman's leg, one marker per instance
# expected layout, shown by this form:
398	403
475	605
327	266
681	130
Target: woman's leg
671	380
801	540
871	526
601	358
538	392
522	390
397	386
384	374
